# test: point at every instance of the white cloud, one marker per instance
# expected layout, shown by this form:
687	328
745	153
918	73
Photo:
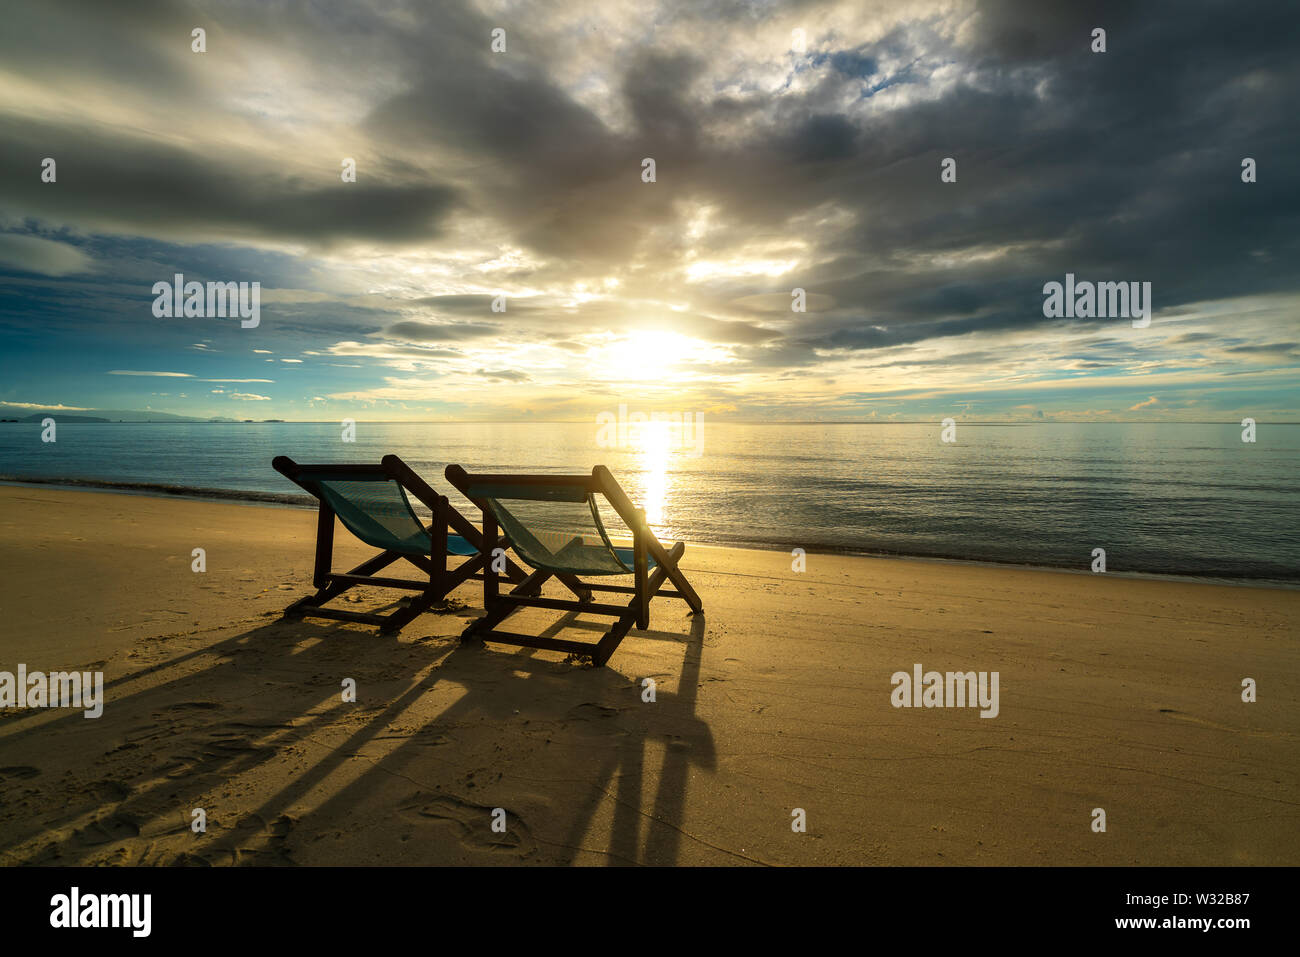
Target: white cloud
44	256
45	406
161	375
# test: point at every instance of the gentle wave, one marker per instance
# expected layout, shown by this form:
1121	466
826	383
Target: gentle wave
1188	500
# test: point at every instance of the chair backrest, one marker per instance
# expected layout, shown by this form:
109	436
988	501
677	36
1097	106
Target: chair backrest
378	513
554	525
370	502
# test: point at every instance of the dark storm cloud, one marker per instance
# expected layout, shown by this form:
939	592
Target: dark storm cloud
1116	166
863	334
656	87
467	305
1019	31
119	181
503	375
461	98
545	317
562	182
1110	165
136	42
821	138
707	328
1066	149
116	178
414	331
1286	349
979	357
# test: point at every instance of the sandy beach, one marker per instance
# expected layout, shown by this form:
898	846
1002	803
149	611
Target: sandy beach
1115	693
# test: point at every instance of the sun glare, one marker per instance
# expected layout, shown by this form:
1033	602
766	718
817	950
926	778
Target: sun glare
653	443
648	352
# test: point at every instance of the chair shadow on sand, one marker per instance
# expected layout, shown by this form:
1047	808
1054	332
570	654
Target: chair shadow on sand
163	748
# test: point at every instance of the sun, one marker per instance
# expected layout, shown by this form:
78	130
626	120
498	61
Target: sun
648	352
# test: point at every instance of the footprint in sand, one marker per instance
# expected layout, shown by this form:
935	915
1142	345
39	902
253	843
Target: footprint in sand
589	709
191	860
222	743
105	830
1180	716
18	772
473	823
280	827
109	790
193	706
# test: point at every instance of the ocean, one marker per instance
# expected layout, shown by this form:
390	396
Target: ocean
1161	499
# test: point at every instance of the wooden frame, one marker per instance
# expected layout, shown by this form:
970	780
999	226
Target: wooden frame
646	585
440	580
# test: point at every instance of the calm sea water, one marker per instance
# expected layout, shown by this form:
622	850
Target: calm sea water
1167	499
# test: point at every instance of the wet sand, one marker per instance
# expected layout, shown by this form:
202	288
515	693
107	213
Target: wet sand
1114	693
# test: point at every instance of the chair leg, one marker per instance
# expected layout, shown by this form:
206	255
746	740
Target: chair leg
600	651
667	560
400	619
500	611
514	572
575	585
636	608
604	648
331	591
440	583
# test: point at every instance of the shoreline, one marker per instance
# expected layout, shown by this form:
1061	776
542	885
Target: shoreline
1113	693
301	502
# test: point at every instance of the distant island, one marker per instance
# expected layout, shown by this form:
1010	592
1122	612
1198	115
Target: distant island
41	416
111	416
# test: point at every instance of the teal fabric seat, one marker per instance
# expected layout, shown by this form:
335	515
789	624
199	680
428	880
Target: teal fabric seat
380	514
535	511
625	556
556	524
458	546
377	504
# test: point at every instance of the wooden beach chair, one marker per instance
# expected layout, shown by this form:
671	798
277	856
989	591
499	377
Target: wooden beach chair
374	503
553	524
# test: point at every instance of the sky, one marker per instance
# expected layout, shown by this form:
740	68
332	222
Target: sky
796	145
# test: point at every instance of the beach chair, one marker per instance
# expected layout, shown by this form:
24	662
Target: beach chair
374	503
553	524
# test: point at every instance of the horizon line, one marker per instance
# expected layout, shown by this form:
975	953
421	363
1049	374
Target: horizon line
179	419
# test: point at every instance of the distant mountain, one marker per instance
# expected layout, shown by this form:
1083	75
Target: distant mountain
39	416
102	415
